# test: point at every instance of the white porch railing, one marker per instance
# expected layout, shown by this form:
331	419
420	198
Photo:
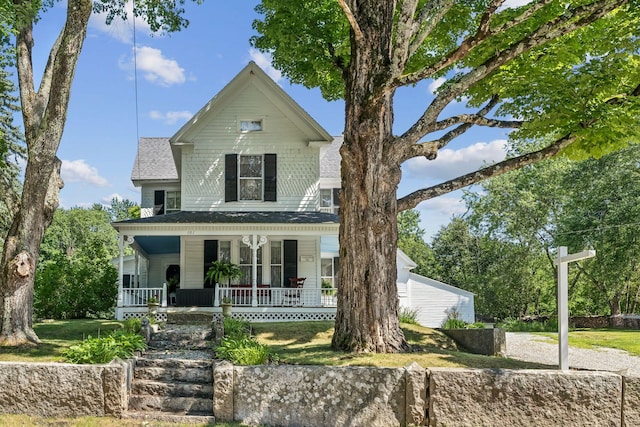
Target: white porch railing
138	297
279	297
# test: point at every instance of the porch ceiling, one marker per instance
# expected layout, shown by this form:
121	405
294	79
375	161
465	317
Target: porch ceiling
156	245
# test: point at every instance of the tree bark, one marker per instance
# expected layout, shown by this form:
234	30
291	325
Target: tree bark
44	115
367	314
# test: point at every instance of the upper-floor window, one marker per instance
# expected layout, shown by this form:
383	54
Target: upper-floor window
166	202
250	125
330	200
173	201
250	177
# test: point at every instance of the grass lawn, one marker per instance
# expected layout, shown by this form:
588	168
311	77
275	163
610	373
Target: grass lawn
309	343
622	339
57	336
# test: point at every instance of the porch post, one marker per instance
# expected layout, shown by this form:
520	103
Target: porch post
120	301
136	273
254	244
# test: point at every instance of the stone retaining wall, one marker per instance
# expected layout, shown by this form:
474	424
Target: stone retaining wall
316	396
64	390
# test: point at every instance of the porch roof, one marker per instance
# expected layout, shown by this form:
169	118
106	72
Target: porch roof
220	217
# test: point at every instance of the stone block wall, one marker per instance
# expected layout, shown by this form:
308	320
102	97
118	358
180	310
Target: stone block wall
64	390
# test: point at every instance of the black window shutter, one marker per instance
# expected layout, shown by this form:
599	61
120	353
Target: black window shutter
270	178
158	202
231	178
210	255
290	260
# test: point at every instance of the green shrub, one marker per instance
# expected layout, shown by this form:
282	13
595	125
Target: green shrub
75	288
408	315
120	343
518	325
245	350
133	325
236	328
454	324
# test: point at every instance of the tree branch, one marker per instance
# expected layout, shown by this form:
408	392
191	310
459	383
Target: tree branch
404	30
430	149
410	201
352	20
45	84
430	15
551	30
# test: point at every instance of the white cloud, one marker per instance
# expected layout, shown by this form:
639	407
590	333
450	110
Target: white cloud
515	3
442	206
264	62
170	117
155	67
106	200
80	171
434	85
119	29
453	163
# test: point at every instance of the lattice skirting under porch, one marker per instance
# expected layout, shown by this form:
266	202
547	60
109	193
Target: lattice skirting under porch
160	316
300	316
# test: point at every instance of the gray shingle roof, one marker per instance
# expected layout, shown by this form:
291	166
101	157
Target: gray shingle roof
330	161
154	161
185	217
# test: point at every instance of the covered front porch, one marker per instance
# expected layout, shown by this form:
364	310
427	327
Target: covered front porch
279	255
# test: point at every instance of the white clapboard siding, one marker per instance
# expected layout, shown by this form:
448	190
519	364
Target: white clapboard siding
432	299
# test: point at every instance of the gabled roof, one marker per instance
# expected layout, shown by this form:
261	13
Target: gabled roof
252	73
154	161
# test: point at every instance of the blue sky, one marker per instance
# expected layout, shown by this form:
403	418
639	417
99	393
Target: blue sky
177	75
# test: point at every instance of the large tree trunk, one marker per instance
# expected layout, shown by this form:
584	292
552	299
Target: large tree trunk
367	315
44	114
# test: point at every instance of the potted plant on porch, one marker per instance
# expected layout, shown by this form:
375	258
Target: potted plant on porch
153	304
218	271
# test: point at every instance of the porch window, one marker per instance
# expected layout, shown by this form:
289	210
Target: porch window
250	179
326	272
246	265
276	264
330	200
224	251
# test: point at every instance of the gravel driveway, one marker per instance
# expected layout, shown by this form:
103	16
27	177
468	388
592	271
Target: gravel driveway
540	349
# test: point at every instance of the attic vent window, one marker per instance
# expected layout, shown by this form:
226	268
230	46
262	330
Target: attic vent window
250	125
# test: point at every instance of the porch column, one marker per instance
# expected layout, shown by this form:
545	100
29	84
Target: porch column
136	274
120	301
254	244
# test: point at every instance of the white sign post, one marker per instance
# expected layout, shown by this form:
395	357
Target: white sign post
563	301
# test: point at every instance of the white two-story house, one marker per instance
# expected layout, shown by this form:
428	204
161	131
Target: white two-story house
251	179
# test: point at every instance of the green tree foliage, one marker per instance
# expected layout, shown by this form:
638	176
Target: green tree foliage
566	72
588	204
123	209
75	277
507	278
75	287
79	231
411	241
602	214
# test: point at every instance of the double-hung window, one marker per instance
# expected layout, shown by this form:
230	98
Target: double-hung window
330	200
250	177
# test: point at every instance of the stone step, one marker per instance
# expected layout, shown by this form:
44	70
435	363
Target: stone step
176	405
173	363
191	375
156	388
182	335
173	345
168	418
189	318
